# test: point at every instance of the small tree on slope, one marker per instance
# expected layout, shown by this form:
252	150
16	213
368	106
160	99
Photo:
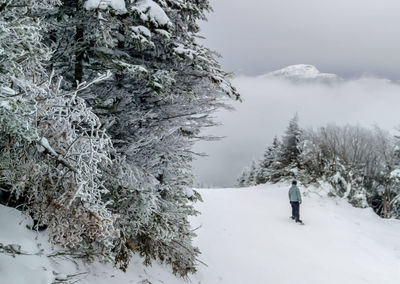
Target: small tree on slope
263	174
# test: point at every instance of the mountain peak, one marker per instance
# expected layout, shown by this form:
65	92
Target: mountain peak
302	72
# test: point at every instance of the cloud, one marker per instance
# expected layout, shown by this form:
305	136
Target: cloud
347	37
269	104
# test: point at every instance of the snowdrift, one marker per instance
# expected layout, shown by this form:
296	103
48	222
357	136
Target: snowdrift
245	235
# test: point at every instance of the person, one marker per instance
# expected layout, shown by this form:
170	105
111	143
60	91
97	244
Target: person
295	201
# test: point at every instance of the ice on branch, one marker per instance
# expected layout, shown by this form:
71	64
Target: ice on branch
117	5
150	11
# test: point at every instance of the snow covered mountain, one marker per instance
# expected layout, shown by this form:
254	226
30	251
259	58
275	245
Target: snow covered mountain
245	235
303	73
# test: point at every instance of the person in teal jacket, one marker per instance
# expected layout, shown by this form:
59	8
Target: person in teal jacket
295	201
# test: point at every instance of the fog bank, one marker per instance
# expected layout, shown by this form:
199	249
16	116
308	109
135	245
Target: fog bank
268	105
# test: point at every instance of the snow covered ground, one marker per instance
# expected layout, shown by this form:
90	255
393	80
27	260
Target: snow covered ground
246	236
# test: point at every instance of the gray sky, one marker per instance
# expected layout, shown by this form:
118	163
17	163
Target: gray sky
356	39
346	37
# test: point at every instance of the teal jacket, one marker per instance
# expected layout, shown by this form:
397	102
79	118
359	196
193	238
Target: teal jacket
294	194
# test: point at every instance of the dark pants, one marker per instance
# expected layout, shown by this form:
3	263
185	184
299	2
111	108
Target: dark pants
295	210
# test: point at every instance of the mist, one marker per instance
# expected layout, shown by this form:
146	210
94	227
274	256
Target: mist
268	105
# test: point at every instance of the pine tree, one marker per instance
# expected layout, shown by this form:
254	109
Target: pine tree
270	156
251	178
52	146
163	88
288	161
243	178
290	143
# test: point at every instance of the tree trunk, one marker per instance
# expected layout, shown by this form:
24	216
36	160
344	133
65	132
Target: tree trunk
79	51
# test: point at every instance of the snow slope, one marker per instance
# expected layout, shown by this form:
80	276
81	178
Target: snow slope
246	236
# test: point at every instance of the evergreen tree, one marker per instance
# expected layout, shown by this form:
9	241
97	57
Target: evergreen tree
52	146
290	143
270	157
287	162
163	88
103	195
251	178
243	178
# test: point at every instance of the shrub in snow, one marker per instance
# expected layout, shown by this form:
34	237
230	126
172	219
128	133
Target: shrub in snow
58	168
52	146
243	178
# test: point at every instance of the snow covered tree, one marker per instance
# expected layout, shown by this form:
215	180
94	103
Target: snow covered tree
60	172
21	74
395	181
386	179
358	162
290	143
129	192
163	88
281	160
264	171
52	146
242	179
392	201
287	162
251	178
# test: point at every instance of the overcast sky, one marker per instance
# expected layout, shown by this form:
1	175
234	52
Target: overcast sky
356	39
346	37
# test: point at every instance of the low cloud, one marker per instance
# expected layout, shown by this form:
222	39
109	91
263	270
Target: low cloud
269	103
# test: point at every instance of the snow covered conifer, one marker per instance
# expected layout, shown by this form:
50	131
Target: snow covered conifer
290	143
163	88
243	178
288	162
52	146
264	171
251	178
